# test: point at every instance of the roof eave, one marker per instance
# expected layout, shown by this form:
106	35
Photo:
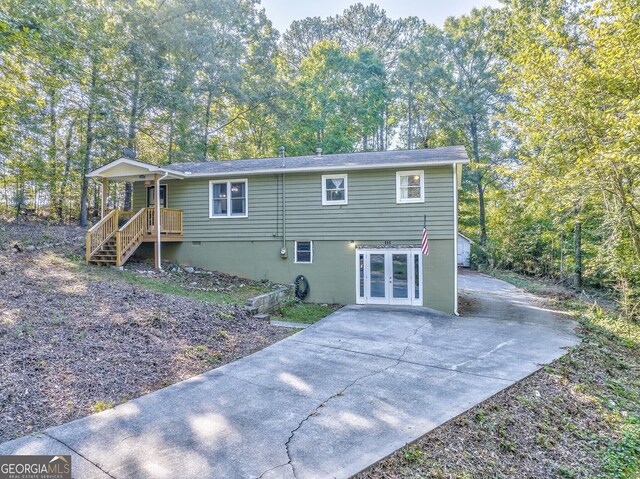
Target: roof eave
324	168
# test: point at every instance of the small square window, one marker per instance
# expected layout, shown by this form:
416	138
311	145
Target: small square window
334	190
410	186
304	252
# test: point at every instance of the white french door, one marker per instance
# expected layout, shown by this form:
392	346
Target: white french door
389	276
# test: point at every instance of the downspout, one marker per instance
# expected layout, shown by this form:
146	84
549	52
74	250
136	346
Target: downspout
159	215
283	250
455	239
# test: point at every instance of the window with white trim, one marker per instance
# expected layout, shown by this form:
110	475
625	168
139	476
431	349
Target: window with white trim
304	252
228	199
410	186
334	190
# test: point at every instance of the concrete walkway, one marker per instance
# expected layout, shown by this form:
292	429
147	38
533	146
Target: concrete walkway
325	402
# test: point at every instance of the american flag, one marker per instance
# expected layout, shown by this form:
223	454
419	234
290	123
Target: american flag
425	238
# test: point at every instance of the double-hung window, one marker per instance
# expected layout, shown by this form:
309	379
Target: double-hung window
228	199
304	252
410	186
334	190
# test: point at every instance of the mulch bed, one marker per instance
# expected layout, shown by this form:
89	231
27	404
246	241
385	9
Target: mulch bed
72	343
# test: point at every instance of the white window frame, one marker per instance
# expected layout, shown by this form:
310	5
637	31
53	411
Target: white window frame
325	201
228	183
400	174
310	251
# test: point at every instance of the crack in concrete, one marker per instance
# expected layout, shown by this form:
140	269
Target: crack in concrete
342	392
78	453
277	467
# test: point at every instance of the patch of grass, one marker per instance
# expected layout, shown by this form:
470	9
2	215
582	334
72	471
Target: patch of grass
306	313
202	353
171	285
102	406
238	296
528	284
622	459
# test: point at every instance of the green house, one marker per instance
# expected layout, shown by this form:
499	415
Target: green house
351	224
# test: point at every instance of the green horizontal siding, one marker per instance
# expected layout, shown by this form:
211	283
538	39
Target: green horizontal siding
371	215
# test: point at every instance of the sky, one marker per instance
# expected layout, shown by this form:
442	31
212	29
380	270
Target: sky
283	12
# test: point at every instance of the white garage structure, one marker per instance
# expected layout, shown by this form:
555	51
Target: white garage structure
464	251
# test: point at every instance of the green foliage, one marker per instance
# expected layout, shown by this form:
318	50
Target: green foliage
306	313
622	458
100	406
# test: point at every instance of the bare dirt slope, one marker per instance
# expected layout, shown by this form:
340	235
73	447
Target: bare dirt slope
76	339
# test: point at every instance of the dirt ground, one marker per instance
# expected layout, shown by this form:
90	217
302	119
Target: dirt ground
75	340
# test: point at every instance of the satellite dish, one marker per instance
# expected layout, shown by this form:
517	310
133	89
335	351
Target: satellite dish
128	152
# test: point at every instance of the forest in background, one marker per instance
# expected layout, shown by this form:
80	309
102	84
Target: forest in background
544	94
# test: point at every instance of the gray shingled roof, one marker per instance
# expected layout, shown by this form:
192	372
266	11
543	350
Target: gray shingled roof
340	161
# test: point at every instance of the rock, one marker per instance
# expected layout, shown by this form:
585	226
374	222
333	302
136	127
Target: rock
263	317
189	269
30	248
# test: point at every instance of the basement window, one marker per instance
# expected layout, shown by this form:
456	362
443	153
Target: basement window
304	252
228	199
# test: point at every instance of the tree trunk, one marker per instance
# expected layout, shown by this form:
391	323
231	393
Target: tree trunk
207	116
171	133
577	254
131	137
409	118
473	128
86	165
54	176
65	177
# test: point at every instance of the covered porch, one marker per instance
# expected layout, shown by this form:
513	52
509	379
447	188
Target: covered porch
119	233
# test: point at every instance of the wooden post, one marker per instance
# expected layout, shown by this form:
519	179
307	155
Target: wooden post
105	194
118	249
158	259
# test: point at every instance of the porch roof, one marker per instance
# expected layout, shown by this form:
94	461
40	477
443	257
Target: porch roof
126	169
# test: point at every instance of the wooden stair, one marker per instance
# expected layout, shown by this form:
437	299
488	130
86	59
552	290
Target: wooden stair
106	255
109	244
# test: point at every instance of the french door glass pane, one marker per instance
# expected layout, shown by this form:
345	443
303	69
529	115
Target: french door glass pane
400	277
377	277
361	275
416	274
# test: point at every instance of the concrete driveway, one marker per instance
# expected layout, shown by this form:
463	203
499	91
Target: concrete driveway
325	402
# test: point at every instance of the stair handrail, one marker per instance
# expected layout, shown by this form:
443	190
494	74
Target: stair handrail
100	233
130	236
